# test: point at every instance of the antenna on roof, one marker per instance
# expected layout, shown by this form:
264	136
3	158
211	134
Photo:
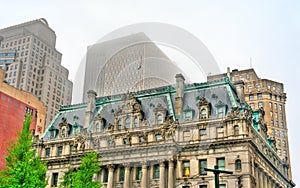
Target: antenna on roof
250	62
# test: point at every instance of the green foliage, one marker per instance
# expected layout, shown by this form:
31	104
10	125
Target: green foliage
83	177
23	168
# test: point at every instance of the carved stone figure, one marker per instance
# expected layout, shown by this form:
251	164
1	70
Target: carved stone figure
79	142
110	127
168	128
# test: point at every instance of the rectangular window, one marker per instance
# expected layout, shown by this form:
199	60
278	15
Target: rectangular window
221	163
203	186
251	97
186	135
260	104
138	173
47	152
188	116
220	132
202	132
222	186
59	151
250	88
186	168
121	174
258	87
203	164
105	175
156	171
54	179
158	137
259	96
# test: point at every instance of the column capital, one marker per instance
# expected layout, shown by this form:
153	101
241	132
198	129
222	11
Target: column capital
111	167
145	163
162	164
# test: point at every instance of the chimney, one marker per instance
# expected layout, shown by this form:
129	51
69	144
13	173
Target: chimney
90	107
179	94
239	86
228	72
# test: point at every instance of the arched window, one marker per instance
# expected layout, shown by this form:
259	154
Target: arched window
104	127
203	114
119	125
236	130
159	119
238	164
136	122
127	123
97	127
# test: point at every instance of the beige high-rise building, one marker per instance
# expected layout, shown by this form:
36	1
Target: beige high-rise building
37	65
269	95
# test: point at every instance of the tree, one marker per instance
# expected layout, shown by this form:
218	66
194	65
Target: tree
23	168
83	176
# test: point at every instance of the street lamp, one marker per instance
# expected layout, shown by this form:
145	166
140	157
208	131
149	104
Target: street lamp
216	171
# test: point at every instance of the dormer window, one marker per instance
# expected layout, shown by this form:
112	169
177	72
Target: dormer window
220	109
203	114
188	113
204	108
159	119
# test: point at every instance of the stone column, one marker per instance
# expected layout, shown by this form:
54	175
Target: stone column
144	176
110	176
270	182
162	175
179	168
256	171
261	181
127	177
171	174
265	180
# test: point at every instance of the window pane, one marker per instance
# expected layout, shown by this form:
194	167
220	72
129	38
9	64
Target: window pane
138	173
186	168
156	171
203	164
122	174
221	163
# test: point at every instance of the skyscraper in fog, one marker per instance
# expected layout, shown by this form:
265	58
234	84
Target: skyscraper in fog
36	65
126	64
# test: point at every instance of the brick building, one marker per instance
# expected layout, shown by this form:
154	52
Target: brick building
14	104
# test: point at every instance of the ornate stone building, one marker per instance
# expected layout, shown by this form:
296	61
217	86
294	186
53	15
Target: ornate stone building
165	137
269	95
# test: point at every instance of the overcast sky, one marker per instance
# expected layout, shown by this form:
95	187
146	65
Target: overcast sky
268	31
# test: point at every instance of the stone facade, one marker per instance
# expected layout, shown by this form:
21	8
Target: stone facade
165	137
269	95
